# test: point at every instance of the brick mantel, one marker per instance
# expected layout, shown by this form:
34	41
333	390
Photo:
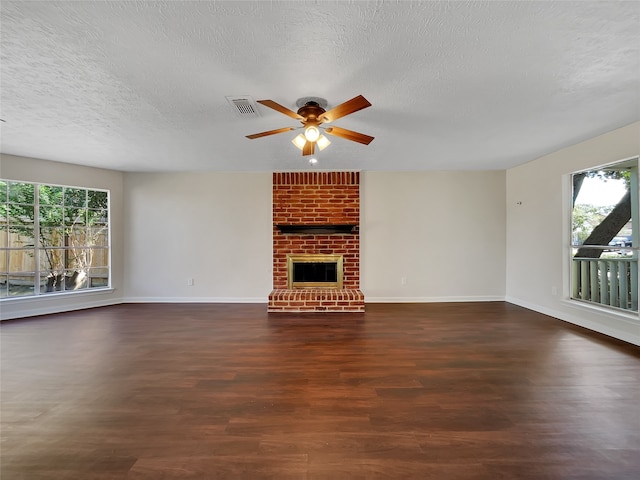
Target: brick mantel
316	199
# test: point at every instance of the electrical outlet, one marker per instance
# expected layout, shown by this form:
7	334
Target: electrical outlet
403	280
189	282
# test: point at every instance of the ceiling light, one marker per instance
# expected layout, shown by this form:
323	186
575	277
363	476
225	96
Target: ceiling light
322	142
313	161
311	133
299	141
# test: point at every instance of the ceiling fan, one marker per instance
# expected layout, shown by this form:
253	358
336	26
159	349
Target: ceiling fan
312	114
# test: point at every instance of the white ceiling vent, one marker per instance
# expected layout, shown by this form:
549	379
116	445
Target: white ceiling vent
244	105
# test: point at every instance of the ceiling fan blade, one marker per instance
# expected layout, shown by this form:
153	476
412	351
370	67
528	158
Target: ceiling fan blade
350	106
349	135
270	132
279	108
308	148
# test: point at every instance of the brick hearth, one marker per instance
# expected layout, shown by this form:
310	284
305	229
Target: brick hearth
316	198
316	300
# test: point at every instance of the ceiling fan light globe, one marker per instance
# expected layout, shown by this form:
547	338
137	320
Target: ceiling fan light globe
299	141
323	142
311	133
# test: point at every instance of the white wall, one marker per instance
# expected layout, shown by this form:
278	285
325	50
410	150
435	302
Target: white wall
443	232
538	232
213	227
33	170
216	229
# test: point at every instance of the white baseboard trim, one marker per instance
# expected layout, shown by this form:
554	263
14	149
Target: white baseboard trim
491	298
264	299
588	324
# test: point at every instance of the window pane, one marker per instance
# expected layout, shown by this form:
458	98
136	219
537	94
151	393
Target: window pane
20	214
51	237
74	216
77	258
3	191
98	217
50	216
77	236
50	195
53	282
98	237
75	280
21	193
21	237
4	239
98	200
22	260
52	260
75	197
21	285
99	257
98	277
4	213
597	194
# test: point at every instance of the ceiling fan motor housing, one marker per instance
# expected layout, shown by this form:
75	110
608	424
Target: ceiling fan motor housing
311	111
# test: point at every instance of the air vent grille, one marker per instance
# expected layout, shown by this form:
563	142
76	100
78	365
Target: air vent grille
244	106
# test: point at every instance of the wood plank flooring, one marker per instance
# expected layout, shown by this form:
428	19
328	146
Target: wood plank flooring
427	391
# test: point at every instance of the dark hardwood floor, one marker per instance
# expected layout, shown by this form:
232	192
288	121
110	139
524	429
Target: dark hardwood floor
426	391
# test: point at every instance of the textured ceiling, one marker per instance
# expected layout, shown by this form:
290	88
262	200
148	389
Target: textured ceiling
142	86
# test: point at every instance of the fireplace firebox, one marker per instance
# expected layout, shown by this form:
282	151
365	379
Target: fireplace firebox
314	271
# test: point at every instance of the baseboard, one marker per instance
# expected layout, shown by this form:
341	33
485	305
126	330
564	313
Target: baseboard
588	324
264	299
488	298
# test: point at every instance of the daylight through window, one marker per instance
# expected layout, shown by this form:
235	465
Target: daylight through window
604	236
53	239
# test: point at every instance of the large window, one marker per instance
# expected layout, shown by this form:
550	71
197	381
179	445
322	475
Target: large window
53	239
604	243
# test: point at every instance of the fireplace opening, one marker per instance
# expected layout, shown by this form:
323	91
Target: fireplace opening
314	271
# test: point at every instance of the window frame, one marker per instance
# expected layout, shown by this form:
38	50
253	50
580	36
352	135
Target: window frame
572	283
40	272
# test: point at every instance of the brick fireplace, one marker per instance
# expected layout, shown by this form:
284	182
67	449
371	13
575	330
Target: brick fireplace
316	215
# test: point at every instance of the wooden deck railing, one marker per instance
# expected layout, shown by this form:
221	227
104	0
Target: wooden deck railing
606	281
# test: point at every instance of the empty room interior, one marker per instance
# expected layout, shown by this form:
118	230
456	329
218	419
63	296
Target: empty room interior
319	239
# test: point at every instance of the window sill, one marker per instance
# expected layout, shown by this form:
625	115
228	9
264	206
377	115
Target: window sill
612	312
57	295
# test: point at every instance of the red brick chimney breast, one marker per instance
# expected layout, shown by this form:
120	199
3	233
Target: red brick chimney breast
316	198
